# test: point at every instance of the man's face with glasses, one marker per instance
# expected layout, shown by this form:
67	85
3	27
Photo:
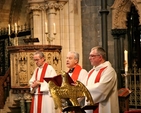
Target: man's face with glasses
38	60
95	58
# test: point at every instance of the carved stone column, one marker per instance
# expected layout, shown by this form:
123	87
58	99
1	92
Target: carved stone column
52	7
23	97
42	12
119	35
104	12
51	12
36	10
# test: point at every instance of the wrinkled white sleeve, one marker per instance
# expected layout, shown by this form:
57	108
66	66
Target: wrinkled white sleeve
32	79
82	76
50	72
103	88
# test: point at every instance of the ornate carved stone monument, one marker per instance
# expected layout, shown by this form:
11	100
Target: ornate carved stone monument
22	67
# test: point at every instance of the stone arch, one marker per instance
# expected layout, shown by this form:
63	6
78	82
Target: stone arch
120	8
137	4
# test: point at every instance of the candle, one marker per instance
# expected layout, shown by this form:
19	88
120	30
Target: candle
8	29
46	27
15	28
54	28
126	60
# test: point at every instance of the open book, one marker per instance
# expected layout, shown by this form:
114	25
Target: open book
124	92
58	80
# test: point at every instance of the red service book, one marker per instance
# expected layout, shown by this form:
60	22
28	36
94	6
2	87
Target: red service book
58	79
123	92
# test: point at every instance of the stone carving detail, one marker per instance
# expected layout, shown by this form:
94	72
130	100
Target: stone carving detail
52	5
120	9
55	60
23	65
137	4
23	81
118	32
49	58
37	7
60	6
24	99
45	6
34	7
119	12
31	64
15	65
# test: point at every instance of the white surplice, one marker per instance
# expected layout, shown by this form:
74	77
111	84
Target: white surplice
104	92
47	100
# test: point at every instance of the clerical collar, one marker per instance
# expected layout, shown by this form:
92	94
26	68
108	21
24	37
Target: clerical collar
71	70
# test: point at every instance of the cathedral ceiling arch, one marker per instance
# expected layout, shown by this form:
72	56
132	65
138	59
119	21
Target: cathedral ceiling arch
10	11
137	4
15	11
120	8
4	12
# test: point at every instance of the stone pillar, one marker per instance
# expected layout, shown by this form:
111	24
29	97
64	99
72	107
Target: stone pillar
119	35
28	100
53	7
24	98
22	105
51	13
37	11
104	12
43	19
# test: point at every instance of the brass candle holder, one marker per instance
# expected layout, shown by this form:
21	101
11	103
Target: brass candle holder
50	38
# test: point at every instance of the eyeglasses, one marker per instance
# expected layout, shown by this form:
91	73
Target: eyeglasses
36	59
93	56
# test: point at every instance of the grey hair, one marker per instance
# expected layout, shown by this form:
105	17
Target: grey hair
41	54
76	55
100	51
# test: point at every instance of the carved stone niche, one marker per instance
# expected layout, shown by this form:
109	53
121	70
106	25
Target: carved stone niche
22	64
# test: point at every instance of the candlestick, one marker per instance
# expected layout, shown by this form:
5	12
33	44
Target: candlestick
51	33
126	80
15	28
54	28
126	60
46	27
8	29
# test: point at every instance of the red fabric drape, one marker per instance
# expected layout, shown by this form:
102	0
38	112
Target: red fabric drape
96	80
76	72
39	95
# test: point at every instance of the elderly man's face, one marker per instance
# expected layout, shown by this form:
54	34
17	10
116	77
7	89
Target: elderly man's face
95	58
38	60
70	60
